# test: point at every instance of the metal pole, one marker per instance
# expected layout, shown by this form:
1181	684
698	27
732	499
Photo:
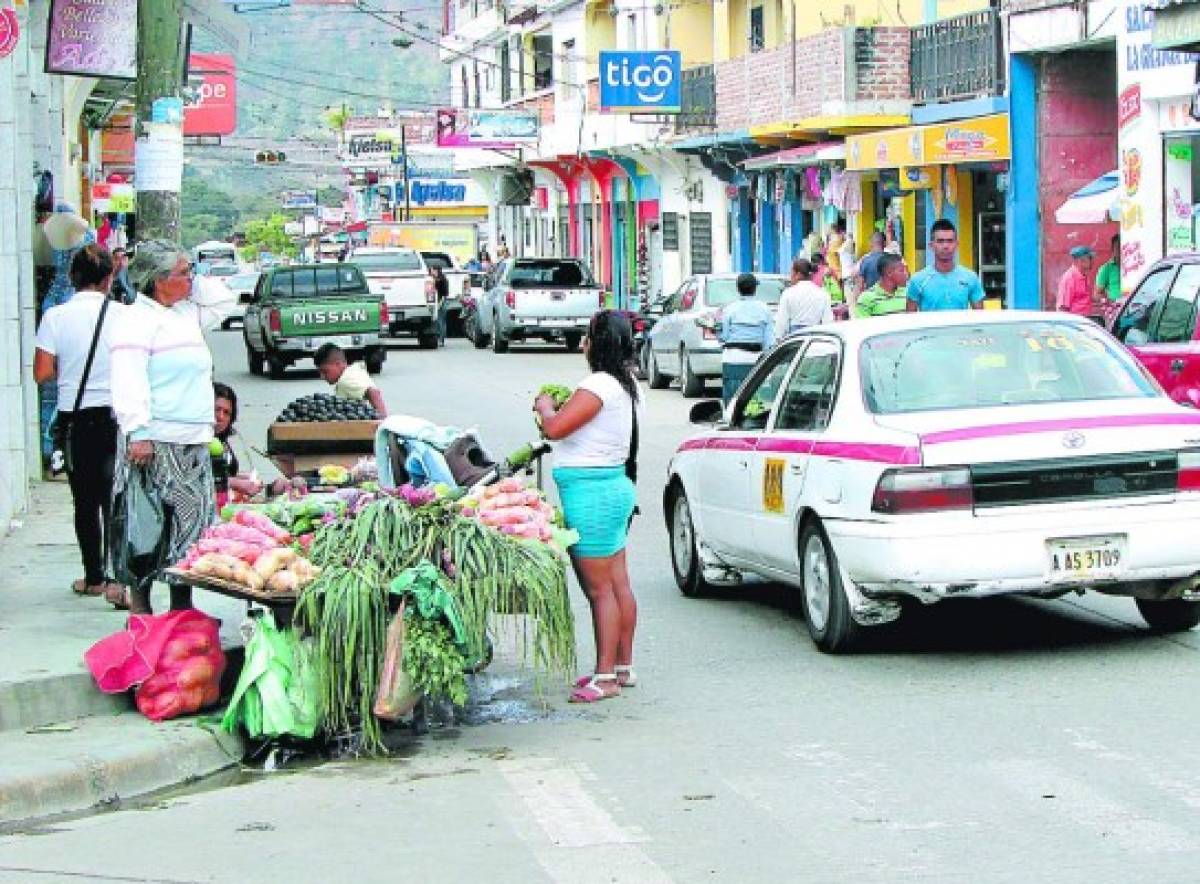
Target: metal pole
404	163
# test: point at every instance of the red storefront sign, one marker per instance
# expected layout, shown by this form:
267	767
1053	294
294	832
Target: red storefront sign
10	31
213	111
1129	105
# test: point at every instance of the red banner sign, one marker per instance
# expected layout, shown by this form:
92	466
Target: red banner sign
213	110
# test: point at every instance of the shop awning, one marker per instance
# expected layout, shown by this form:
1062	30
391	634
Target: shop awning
805	155
978	140
1096	203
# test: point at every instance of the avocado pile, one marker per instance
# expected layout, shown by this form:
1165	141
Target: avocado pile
322	407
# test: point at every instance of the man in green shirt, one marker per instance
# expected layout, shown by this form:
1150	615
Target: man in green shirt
889	295
1108	278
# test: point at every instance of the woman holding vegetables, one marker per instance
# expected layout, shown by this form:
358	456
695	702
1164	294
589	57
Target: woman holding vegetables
596	430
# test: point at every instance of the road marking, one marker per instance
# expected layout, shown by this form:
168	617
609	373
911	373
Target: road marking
570	819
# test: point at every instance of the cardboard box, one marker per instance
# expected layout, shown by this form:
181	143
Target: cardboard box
325	437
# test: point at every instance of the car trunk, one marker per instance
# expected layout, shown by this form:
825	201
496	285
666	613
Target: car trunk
398	289
1058	452
567	304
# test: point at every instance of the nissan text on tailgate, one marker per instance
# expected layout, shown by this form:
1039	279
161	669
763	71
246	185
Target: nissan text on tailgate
547	298
298	308
400	277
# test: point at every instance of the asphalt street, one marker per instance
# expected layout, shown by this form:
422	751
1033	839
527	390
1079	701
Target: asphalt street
979	741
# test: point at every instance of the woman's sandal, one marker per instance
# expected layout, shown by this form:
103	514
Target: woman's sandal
81	587
626	677
591	692
117	596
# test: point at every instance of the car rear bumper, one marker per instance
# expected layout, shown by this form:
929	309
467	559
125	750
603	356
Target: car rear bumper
408	319
546	325
975	556
300	348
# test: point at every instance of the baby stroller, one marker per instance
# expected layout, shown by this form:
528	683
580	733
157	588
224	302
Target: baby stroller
414	451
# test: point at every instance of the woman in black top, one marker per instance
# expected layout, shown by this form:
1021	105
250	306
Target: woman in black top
442	287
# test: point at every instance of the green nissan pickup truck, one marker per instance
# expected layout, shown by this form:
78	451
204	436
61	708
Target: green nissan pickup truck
297	308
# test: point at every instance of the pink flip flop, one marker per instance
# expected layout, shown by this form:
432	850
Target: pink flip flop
591	692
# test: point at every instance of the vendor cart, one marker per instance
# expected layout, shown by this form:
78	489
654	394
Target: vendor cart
301	448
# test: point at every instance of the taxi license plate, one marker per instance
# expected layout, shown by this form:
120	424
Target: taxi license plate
1085	559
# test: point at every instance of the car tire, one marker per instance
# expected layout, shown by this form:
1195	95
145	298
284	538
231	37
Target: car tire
499	342
375	360
655	378
277	367
690	384
427	340
572	341
826	608
254	362
1169	615
685	550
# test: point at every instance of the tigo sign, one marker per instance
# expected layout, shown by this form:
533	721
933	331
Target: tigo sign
640	82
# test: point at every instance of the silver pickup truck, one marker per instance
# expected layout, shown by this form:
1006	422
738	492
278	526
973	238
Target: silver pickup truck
400	277
552	299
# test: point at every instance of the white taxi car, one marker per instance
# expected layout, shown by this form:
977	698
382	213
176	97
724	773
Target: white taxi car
943	455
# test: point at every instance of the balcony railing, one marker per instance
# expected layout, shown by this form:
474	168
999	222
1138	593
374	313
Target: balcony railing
698	104
959	57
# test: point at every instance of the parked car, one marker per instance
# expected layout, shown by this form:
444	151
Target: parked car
943	455
683	343
1158	324
548	298
242	285
298	308
400	277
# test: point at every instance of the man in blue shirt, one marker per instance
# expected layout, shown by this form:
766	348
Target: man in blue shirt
747	329
945	285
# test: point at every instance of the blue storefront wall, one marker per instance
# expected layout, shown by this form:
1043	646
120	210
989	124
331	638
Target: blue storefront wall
1023	247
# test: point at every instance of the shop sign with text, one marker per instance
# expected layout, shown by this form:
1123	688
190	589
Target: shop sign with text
213	109
92	38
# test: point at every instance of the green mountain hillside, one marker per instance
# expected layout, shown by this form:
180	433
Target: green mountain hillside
304	59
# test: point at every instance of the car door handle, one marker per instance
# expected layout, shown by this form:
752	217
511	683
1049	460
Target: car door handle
1177	365
797	469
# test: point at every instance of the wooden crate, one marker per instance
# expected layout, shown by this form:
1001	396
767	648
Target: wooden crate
325	437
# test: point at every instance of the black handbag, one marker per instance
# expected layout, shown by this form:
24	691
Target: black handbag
63	430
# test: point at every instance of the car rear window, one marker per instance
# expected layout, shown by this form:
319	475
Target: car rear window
329	279
533	274
388	262
438	259
720	292
977	366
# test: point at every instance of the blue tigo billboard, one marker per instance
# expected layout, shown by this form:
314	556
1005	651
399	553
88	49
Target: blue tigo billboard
643	81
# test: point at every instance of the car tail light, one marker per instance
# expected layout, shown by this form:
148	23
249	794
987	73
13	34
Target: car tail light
510	299
923	491
430	291
639	325
383	318
708	333
1189	470
275	321
603	300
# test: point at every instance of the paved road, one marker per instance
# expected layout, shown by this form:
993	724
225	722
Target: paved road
1000	741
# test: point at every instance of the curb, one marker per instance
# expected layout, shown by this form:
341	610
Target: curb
94	763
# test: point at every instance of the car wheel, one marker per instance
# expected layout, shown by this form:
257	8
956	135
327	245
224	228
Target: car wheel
1169	615
277	367
499	342
254	362
375	359
655	378
826	608
685	550
427	340
690	383
572	341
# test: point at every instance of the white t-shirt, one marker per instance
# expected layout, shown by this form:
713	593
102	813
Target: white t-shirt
66	334
800	306
604	440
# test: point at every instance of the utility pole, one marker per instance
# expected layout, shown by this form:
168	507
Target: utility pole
159	75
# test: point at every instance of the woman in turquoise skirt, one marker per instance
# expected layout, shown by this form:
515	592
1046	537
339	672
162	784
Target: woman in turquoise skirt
596	446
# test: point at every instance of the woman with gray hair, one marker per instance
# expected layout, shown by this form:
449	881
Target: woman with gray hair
163	399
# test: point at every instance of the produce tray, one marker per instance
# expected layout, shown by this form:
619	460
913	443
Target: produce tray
234	590
318	437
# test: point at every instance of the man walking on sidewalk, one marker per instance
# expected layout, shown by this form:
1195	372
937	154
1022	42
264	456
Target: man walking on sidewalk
1075	292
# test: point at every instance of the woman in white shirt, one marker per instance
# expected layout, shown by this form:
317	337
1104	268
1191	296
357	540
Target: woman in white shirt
595	465
163	398
64	339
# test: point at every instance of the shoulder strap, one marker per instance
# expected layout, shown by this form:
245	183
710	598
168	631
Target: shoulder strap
87	366
631	469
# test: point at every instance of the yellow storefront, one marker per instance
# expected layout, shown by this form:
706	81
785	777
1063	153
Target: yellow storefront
954	170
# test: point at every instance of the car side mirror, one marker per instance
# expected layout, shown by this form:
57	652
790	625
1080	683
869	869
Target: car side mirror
710	412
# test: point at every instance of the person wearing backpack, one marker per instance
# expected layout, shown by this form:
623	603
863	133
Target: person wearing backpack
596	432
72	350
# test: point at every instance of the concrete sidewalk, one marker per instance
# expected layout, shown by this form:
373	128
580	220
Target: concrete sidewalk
67	746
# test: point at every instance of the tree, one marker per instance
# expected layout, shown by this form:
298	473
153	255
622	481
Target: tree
266	235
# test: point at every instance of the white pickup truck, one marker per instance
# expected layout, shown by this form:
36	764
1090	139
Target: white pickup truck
548	298
401	276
